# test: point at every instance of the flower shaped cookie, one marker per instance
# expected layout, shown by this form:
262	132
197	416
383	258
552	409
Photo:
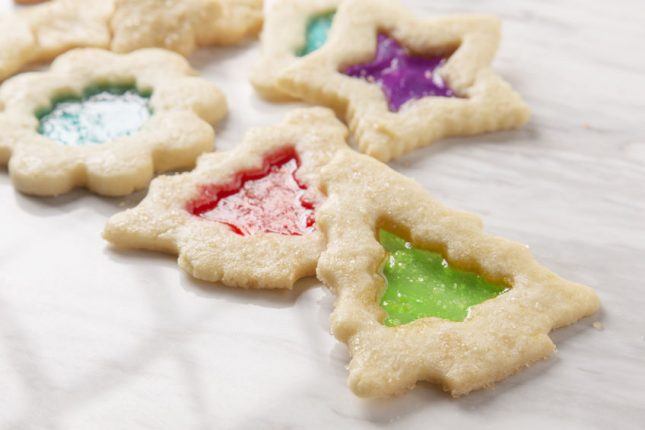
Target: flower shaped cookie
446	303
245	218
403	82
105	121
292	29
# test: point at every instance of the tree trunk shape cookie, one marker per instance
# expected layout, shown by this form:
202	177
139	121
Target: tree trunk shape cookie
423	294
402	82
105	121
245	218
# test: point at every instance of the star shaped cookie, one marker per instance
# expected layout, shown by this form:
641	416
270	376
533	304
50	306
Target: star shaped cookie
105	121
402	82
245	218
423	294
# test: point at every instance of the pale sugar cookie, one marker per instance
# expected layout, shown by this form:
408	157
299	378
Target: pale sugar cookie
245	218
292	29
423	294
402	82
105	121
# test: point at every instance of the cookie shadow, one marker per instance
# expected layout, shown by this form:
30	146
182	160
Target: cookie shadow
269	298
75	200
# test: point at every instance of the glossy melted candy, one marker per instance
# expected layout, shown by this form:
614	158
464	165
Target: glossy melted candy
102	114
317	30
270	199
422	284
401	76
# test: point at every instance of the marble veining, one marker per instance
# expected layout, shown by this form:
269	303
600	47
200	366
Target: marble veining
93	338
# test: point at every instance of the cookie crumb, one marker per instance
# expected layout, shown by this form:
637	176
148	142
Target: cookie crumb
598	325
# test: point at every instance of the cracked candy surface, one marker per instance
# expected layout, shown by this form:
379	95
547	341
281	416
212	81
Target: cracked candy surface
102	114
270	199
498	337
485	102
180	129
401	76
213	251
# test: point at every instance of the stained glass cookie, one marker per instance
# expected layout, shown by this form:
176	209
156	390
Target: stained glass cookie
245	218
423	294
402	82
292	29
105	121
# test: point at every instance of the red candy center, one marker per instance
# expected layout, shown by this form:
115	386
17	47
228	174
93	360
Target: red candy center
265	200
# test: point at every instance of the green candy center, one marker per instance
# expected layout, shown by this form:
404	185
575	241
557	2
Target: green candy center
421	284
317	30
101	114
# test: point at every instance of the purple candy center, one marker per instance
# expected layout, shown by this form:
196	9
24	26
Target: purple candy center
401	76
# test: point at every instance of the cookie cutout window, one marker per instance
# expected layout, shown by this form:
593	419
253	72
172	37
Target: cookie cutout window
421	283
401	75
270	199
317	30
101	114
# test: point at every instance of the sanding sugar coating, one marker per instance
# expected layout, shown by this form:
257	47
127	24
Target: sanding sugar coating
401	76
102	114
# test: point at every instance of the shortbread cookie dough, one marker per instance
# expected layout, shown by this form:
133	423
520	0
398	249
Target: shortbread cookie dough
460	308
105	121
17	45
183	25
178	25
61	25
245	218
292	29
403	82
41	32
240	19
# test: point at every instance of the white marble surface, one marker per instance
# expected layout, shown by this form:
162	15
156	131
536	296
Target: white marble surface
91	338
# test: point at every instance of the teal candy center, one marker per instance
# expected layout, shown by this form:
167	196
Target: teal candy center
101	114
317	30
422	283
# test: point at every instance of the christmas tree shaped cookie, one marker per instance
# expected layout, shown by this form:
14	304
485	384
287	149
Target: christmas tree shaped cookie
423	294
402	82
292	30
245	218
105	121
